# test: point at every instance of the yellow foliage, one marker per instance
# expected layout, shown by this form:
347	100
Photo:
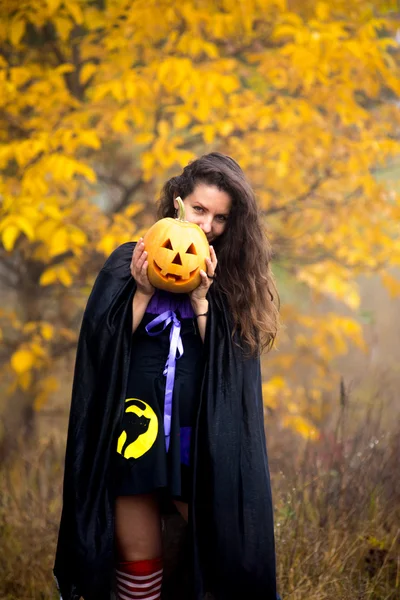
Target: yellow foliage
68	334
22	361
17	30
56	274
75	11
107	244
332	280
47	386
273	391
9	236
86	72
53	5
58	242
301	425
48	277
25	380
47	331
133	209
297	93
29	327
391	284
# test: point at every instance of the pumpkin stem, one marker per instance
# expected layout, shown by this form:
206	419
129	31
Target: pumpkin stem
181	209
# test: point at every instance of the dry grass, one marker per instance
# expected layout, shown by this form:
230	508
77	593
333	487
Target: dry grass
30	492
337	512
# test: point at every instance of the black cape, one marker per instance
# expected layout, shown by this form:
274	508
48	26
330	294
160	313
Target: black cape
231	524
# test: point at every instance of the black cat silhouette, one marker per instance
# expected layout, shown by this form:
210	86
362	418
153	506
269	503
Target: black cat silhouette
134	425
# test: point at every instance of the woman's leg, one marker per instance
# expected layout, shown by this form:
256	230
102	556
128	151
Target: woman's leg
183	508
138	527
139	547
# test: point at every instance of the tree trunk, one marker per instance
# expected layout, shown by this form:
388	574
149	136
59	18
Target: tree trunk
18	423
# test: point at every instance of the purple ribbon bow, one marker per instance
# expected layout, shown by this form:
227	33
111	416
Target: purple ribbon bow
175	352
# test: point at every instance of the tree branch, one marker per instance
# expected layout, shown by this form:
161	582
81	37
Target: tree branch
109	180
295	261
389	167
62	349
14	124
127	191
126	196
300	198
8	281
71	79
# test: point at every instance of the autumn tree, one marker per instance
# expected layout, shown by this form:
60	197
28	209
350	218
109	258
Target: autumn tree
100	101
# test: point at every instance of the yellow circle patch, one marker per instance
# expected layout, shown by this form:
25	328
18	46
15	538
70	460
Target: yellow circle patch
140	428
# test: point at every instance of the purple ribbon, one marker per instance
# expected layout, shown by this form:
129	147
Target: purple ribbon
175	352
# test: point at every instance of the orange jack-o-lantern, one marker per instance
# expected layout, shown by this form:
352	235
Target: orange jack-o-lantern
176	251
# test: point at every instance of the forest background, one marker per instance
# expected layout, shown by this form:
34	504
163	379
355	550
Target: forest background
100	102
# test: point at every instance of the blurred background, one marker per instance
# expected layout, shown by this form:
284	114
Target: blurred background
100	102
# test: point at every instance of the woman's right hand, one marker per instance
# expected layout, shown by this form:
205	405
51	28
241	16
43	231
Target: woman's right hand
139	266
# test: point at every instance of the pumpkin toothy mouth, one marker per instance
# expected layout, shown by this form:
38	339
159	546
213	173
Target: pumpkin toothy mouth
172	276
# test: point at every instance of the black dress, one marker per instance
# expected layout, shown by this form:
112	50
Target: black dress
142	462
230	512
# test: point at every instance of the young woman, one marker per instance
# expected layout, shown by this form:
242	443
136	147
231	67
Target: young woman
174	411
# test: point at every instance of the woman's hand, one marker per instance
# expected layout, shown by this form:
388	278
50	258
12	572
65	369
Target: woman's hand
198	296
139	266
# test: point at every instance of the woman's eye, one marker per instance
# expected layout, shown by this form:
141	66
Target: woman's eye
198	208
221	218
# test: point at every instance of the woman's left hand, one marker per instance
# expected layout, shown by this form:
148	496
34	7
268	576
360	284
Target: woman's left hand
199	294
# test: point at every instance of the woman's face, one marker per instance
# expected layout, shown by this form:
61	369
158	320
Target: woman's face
209	208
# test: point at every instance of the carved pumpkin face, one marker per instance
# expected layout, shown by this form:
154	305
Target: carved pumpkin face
176	252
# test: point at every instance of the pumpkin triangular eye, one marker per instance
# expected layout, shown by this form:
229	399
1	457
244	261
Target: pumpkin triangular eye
191	249
177	260
167	244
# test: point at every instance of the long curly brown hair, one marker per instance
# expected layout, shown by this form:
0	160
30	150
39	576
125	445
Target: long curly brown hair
244	253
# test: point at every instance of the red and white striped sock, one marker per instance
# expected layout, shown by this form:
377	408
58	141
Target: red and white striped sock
139	580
